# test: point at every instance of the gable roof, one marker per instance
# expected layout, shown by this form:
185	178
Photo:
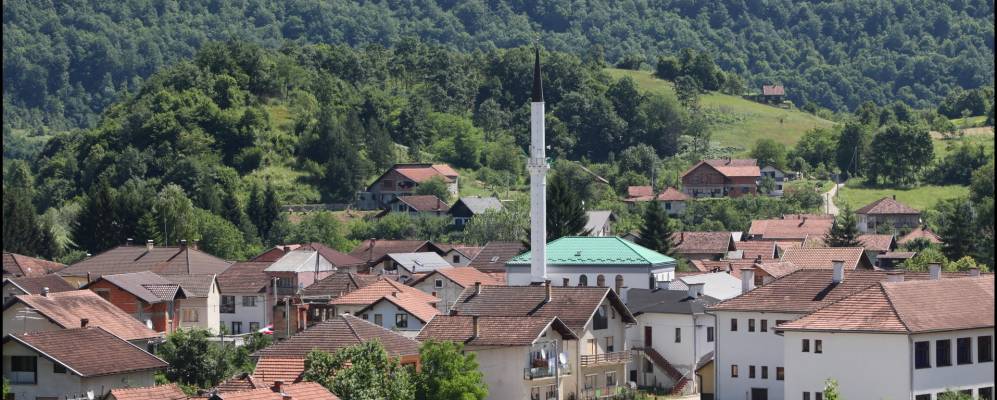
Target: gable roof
335	257
908	307
463	276
777	269
240	382
597	219
274	253
920	232
193	285
419	262
161	260
639	191
773	90
338	284
478	205
702	242
245	277
717	285
575	306
752	249
492	331
168	391
21	265
424	203
731	168
495	254
63	347
415	306
35	284
593	250
420	172
672	194
876	242
790	228
270	369
887	206
642	301
374	249
646	193
299	261
467	251
147	286
823	257
66	309
343	331
373	292
294	391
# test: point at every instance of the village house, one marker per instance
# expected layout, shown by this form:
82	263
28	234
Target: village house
718	285
17	265
279	391
889	213
790	228
128	258
925	339
876	245
401	180
492	257
418	206
285	361
467	208
151	299
778	176
772	94
702	245
825	257
296	270
170	391
459	255
201	305
13	286
391	305
448	283
599	223
672	200
407	266
755	249
77	363
372	251
920	232
244	297
721	178
597	317
533	361
74	309
596	261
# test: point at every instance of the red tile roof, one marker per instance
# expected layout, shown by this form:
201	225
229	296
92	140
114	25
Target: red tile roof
423	172
338	284
66	309
382	287
644	193
722	265
374	249
146	286
243	381
35	285
161	260
752	249
797	229
425	203
572	305
920	232
337	258
823	257
244	277
875	242
492	331
639	191
908	307
702	242
463	276
21	265
672	194
495	254
773	90
730	168
415	306
295	391
64	347
168	391
275	253
887	206
270	369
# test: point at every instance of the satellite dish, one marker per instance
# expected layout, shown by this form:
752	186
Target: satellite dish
562	358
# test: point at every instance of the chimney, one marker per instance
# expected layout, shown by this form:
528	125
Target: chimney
895	276
838	275
477	288
747	280
696	289
935	270
84	322
681	237
394	294
475	326
45	291
565	281
278	386
974	272
547	291
128	242
453	311
148	245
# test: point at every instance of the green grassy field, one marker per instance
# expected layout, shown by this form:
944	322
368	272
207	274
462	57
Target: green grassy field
755	120
979	137
921	197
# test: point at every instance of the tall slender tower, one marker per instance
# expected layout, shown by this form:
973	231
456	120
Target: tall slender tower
537	164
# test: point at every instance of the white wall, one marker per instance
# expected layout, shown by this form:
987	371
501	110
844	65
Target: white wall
616	329
51	384
677	207
20	318
684	355
448	294
9	290
208	316
504	370
388	311
633	276
866	366
245	314
743	348
957	377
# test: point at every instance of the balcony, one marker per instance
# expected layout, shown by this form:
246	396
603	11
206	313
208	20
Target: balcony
616	357
545	372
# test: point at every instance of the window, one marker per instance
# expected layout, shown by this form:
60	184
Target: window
922	397
189	315
535	393
985	393
590	382
751	372
818	395
23	370
619	283
609	344
922	358
600	281
943	353
668	205
378	320
751	325
780	373
593	349
733	324
678	335
583	280
964	351
285	283
228	305
806	395
818	346
765	372
599	321
254	326
733	371
806	345
58	368
236	327
249	301
984	349
610	378
709	333
401	320
551	392
439	283
456	259
765	325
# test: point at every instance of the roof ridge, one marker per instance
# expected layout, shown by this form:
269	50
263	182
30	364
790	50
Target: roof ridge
889	300
349	324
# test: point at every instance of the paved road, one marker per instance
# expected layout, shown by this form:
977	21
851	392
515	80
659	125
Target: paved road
829	206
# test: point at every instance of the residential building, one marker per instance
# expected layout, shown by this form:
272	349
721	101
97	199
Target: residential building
460	255
275	253
532	361
772	94
181	259
296	270
170	391
447	284
151	299
13	286
372	251
68	310
401	180
469	207
285	361
927	337
755	249
313	304
597	316
418	206
391	305
280	391
721	178
406	266
702	245
717	285
341	262
672	200
245	305
76	363
673	333
824	257
492	258
600	223
778	177
202	305
887	212
17	265
921	232
876	245
596	261
790	228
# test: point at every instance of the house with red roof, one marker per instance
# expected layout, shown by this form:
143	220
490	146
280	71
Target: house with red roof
721	178
17	265
418	206
448	283
887	212
401	180
672	200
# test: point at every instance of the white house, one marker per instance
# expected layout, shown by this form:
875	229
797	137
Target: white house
390	305
777	176
201	309
600	222
448	283
405	265
297	269
596	261
927	336
244	299
718	285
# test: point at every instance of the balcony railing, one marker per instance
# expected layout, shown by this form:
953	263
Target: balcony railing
545	372
616	357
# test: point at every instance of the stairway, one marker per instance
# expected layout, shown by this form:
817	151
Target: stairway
680	381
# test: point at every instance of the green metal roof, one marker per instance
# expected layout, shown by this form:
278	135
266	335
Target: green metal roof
595	250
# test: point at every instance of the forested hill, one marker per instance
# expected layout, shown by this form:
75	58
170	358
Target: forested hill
65	62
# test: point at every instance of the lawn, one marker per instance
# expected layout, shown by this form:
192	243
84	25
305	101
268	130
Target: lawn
921	197
753	120
976	137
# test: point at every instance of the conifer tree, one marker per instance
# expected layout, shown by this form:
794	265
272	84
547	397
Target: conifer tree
565	215
97	227
656	232
844	231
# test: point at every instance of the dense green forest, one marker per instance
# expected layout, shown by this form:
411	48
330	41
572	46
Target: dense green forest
66	62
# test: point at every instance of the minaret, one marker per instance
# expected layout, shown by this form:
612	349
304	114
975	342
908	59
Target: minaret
537	164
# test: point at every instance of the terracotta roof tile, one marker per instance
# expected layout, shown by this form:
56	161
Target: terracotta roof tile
731	167
752	249
639	191
777	269
495	254
21	265
701	242
147	286
877	242
773	90
492	331
920	232
416	306
572	305
337	333
374	249
162	392
244	277
423	172
270	369
463	276
161	260
67	308
296	391
34	285
897	255
243	381
337	258
193	285
797	229
672	194
887	206
338	284
382	287
823	257
644	193
64	347
424	203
